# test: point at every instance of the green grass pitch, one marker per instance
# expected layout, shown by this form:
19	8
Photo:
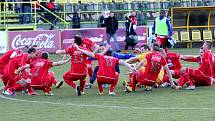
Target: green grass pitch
163	104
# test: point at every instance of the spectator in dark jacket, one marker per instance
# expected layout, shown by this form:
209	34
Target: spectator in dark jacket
76	20
131	36
111	28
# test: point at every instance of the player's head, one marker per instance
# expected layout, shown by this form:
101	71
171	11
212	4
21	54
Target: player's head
207	45
108	53
145	48
78	40
25	49
37	49
32	52
156	47
52	1
162	13
45	55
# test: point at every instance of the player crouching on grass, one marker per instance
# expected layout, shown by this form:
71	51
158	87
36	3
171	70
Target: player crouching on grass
17	77
203	75
42	79
106	73
154	63
144	50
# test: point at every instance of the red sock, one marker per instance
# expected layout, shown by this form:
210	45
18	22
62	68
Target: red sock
54	81
133	82
100	87
82	84
113	85
90	71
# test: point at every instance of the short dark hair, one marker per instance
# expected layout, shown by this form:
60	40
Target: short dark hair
78	40
209	44
156	47
163	11
45	55
145	46
31	50
108	53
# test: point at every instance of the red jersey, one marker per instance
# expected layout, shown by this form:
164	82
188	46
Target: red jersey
40	68
107	66
173	61
206	67
154	64
4	59
16	62
78	61
87	44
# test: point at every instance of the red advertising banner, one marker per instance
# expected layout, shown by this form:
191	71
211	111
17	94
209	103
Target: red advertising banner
98	35
46	40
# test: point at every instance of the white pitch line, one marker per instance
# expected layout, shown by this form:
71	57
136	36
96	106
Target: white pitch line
101	106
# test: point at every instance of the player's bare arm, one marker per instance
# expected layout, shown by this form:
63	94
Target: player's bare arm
169	75
61	62
132	60
121	62
86	52
141	64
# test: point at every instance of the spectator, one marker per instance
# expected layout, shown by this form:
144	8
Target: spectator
101	21
131	35
111	28
26	10
76	20
162	28
51	6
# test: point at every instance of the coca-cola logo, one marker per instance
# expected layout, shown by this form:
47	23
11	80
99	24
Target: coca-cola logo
41	40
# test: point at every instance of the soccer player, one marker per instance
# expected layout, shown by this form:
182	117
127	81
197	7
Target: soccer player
203	75
17	81
106	73
174	64
41	78
87	44
78	69
39	56
145	49
155	62
6	57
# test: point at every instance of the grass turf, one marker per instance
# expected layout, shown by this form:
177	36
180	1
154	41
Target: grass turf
161	104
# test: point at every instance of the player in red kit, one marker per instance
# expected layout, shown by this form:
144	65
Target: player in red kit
203	75
13	76
42	79
106	73
6	57
155	62
92	47
39	56
78	69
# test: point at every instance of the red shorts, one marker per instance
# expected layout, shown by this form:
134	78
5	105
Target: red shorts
107	80
199	79
141	78
161	40
74	77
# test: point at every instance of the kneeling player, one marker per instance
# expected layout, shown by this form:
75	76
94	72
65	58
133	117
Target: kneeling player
153	66
106	73
42	79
